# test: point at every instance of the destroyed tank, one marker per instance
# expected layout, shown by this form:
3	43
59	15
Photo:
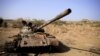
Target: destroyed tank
34	39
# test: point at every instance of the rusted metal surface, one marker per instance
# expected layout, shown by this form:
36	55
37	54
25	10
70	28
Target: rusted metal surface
38	39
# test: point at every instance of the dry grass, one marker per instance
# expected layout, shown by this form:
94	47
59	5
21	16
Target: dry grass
82	36
79	36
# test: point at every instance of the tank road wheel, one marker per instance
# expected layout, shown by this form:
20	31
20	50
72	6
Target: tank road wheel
9	47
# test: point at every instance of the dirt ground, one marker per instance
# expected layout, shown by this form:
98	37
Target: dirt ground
80	39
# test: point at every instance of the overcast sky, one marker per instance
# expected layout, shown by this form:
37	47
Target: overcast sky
47	9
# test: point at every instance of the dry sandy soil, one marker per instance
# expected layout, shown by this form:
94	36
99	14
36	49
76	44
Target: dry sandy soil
80	39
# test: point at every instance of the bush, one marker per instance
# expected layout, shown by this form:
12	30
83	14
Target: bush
96	24
38	22
1	21
59	22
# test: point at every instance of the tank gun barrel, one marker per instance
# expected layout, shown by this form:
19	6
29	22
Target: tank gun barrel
59	16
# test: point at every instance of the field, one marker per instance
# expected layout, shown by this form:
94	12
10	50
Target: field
83	38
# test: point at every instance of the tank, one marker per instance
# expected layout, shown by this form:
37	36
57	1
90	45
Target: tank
34	39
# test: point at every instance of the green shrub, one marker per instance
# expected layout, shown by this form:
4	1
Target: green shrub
38	22
59	22
1	21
